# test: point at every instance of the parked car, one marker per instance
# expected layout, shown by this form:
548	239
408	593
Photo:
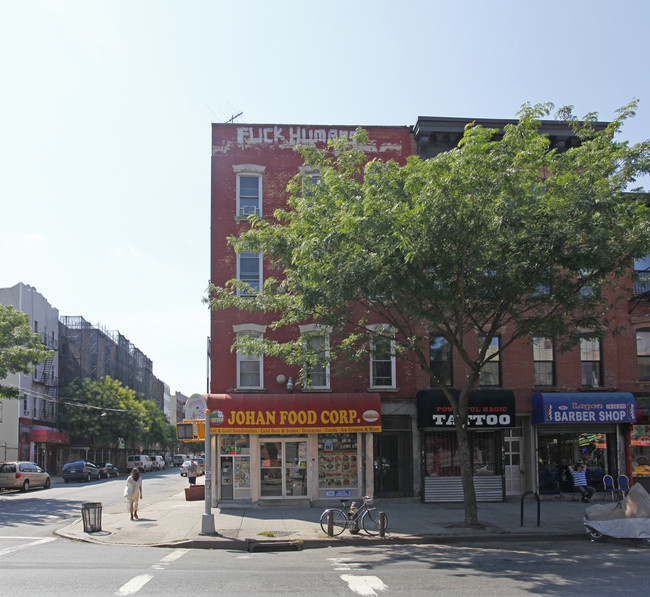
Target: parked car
106	470
23	476
80	470
201	464
141	461
158	463
179	459
184	468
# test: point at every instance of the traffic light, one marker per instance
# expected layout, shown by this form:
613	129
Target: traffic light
190	432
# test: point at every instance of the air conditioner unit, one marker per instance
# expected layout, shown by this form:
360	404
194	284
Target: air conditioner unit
249	210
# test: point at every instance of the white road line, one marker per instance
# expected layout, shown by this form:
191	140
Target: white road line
364	585
346	564
4	552
134	585
3	537
174	555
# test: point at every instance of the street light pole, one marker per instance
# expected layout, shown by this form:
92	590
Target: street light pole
207	522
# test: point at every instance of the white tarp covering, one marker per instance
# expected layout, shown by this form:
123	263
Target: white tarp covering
629	518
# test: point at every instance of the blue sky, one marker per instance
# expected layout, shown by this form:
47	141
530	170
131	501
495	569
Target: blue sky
105	112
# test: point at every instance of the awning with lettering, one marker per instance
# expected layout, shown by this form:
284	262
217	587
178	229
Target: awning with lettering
488	409
294	413
584	407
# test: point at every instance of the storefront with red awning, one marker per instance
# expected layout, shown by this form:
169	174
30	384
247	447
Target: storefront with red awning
311	446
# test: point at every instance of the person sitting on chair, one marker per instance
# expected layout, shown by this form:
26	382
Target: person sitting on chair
580	483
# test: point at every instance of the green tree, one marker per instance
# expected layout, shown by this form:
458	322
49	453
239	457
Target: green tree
501	233
20	348
103	410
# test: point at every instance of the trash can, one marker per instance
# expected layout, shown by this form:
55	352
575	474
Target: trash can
91	513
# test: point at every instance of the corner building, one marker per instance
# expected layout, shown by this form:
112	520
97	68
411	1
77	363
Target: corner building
274	441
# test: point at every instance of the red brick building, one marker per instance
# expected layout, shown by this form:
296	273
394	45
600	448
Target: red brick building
374	431
274	440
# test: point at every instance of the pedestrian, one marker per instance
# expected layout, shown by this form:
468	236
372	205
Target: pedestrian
192	471
580	483
133	492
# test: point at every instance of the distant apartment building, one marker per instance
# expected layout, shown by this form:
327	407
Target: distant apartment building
28	425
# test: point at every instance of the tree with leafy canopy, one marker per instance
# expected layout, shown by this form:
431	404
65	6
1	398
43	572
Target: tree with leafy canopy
500	233
20	347
102	410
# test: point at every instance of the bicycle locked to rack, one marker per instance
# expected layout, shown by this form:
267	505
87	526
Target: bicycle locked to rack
363	516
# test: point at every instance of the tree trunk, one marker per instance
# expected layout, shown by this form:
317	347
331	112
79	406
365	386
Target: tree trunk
467	476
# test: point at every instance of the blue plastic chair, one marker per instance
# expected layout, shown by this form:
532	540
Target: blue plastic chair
608	483
623	484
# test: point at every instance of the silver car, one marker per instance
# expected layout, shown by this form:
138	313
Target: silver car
23	476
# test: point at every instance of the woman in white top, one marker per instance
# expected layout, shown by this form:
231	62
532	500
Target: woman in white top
133	492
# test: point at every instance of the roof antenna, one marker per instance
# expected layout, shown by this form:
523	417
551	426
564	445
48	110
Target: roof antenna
233	117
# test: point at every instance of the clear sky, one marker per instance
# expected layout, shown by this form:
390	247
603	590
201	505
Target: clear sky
106	105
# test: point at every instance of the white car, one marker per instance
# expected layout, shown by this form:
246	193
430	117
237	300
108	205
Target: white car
141	461
158	463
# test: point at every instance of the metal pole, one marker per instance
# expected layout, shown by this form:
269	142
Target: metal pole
207	522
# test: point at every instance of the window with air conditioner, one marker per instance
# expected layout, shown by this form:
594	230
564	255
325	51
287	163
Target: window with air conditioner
249	189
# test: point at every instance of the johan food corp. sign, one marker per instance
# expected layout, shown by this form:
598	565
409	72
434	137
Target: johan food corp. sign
294	413
588	407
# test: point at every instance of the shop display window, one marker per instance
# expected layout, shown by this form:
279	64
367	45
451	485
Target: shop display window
338	464
443	457
640	450
238	447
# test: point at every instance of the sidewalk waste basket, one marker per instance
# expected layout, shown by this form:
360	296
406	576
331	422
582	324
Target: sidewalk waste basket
91	513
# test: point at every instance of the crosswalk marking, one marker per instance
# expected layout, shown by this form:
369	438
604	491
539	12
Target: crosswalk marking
134	585
364	585
8	550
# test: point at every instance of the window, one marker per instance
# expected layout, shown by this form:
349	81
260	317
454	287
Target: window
249	366
440	359
318	374
590	357
382	361
643	354
249	270
249	189
491	372
642	274
543	361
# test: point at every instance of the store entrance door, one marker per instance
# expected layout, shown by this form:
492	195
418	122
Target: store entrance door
283	468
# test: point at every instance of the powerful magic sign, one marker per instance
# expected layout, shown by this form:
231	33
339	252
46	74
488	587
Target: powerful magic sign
294	413
487	409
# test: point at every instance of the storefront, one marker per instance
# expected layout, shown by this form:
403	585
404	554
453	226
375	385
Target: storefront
587	428
490	413
293	446
640	443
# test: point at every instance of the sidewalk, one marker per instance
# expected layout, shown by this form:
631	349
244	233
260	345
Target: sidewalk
171	521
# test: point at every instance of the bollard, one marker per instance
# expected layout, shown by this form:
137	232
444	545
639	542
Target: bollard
523	497
330	523
382	524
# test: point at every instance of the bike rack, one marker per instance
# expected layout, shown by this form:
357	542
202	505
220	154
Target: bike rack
523	497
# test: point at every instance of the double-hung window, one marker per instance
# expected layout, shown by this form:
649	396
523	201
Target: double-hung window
491	372
642	274
590	359
317	348
249	189
249	270
382	358
440	359
249	364
643	354
543	361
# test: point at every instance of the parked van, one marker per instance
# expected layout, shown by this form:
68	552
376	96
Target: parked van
179	459
142	461
158	463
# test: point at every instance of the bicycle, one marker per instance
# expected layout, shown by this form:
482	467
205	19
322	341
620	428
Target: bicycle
365	517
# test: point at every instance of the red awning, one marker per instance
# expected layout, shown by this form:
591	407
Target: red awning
51	436
294	413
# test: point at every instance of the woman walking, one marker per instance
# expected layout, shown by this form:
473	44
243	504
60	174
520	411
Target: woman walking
133	492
